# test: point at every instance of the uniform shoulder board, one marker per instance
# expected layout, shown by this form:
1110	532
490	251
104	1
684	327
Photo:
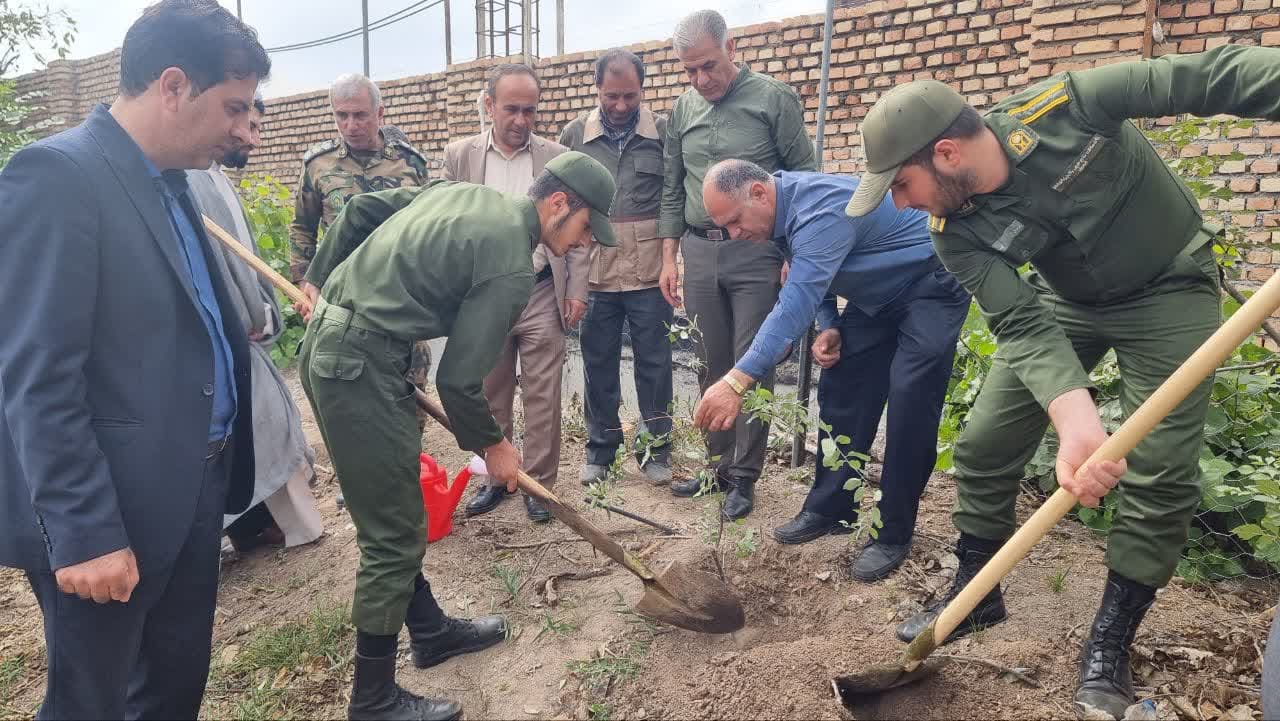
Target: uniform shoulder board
320	149
405	147
937	224
396	138
1053	96
391	133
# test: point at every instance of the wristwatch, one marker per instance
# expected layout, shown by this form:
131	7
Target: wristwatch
735	385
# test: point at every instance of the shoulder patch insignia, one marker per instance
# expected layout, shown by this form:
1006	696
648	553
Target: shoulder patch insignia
937	224
319	149
1021	141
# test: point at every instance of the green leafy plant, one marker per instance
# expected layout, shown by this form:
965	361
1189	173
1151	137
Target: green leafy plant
269	206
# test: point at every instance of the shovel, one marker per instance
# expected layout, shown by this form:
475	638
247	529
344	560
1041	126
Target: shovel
914	664
681	596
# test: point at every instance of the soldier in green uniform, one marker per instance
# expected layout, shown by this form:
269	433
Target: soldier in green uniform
400	266
1120	258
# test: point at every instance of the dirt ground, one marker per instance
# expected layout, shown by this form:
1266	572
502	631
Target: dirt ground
577	651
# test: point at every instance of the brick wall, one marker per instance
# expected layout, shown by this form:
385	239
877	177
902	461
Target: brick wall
987	49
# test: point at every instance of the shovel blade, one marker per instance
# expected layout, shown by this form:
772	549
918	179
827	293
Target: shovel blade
694	600
875	680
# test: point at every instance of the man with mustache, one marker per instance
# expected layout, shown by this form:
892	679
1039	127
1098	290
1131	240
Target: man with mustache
508	157
730	285
623	133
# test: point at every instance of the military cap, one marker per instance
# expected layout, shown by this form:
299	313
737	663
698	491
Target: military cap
593	183
898	125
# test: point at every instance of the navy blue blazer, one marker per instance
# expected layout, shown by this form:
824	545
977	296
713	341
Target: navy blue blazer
106	369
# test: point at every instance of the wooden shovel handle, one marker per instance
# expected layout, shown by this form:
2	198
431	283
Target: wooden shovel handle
583	527
258	264
563	513
1173	391
566	515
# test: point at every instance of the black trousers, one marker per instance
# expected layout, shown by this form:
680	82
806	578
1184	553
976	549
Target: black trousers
902	355
148	658
647	316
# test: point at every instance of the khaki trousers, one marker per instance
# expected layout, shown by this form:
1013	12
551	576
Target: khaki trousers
537	342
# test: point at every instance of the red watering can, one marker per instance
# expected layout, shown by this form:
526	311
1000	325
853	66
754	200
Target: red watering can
438	497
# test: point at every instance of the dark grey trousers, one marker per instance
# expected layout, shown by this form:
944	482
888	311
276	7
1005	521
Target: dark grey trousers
729	288
148	658
647	315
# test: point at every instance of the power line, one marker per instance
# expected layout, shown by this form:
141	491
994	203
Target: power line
349	33
393	18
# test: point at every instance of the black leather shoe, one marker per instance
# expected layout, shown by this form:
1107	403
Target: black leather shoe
486	499
452	637
807	526
536	509
690	487
988	612
878	560
1106	682
740	499
375	696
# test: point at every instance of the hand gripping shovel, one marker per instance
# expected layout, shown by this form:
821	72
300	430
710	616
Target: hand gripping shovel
681	596
912	666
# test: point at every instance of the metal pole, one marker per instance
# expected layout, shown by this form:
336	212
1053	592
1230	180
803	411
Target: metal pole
364	7
526	31
448	36
806	363
559	27
239	15
506	30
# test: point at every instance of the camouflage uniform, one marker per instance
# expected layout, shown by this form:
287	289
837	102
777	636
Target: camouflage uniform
331	175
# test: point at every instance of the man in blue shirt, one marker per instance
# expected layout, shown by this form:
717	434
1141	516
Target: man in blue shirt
895	339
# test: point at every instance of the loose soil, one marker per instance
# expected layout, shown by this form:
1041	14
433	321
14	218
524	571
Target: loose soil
576	650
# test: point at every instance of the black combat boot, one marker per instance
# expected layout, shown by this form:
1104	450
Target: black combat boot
689	487
973	553
1106	683
740	499
435	637
375	696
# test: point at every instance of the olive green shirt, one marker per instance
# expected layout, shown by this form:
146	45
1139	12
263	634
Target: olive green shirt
758	119
1089	203
447	259
332	173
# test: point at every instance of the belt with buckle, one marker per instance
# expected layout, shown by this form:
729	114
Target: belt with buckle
217	447
713	234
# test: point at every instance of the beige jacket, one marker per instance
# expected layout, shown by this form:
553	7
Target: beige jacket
464	160
637	169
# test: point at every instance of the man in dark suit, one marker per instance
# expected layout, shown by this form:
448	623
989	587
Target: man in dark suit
124	375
